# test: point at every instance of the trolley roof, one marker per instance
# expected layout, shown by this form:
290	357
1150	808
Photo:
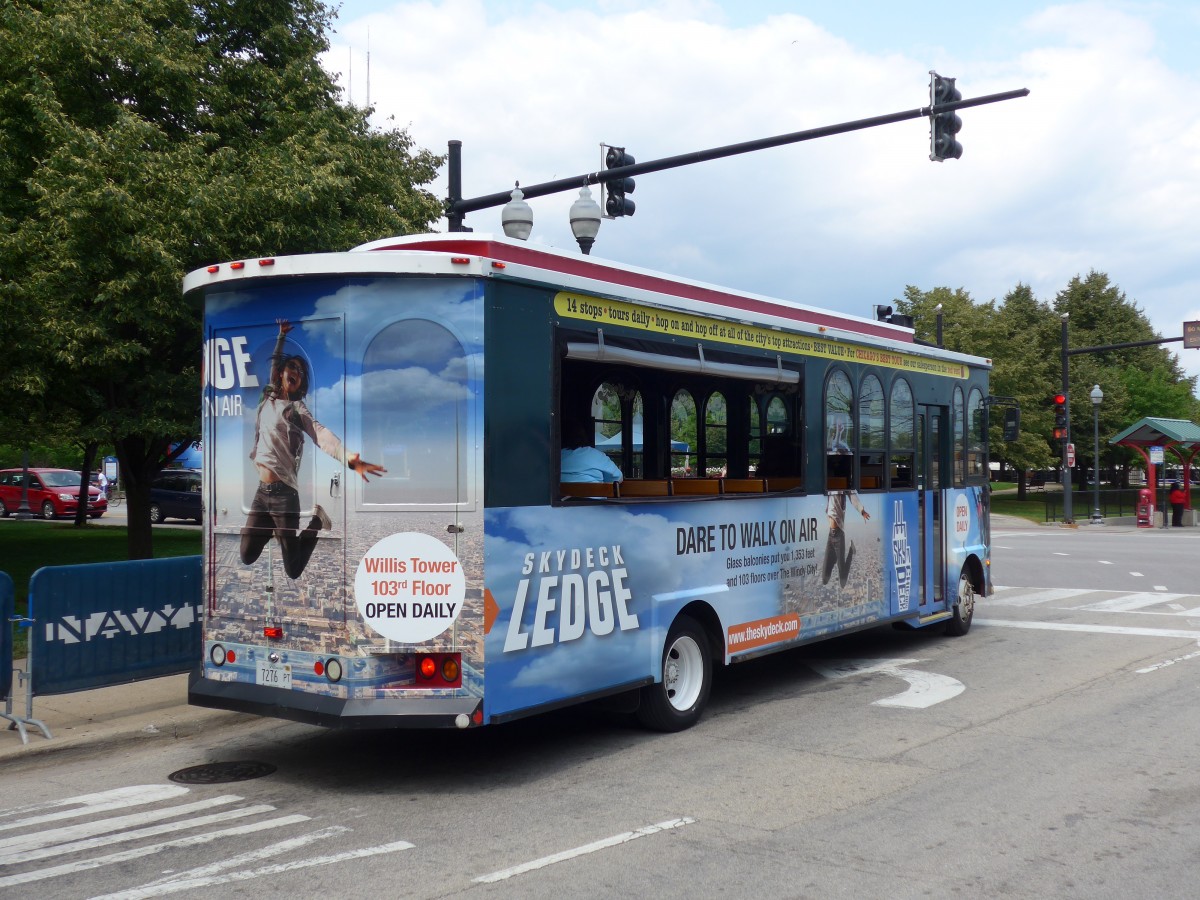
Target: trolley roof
494	256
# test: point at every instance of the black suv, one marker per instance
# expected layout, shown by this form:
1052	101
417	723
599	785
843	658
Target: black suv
175	494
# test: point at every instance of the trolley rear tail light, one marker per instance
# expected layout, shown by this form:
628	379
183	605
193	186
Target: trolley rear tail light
439	670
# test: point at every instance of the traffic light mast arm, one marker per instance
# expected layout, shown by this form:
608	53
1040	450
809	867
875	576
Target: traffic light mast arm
457	207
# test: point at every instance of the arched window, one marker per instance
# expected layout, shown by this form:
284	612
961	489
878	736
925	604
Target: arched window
607	418
960	439
900	435
976	436
839	431
770	438
683	434
872	437
716	436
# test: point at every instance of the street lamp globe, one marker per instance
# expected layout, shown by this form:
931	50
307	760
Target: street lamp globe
517	217
1097	395
585	219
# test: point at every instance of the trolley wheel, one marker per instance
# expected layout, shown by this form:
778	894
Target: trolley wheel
964	607
678	700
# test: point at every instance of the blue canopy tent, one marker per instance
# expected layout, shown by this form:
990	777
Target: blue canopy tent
614	442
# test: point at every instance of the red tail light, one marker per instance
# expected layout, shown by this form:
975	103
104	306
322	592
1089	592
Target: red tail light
440	670
273	632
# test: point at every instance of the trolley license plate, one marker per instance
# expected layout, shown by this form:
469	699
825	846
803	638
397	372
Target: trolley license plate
274	675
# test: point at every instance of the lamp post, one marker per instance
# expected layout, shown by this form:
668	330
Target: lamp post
1097	396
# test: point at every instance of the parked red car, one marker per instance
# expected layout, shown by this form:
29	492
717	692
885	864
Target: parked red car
52	493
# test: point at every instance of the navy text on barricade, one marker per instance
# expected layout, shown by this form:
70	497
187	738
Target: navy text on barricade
112	623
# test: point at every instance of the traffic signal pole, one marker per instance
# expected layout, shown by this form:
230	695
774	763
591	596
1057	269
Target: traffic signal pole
1068	517
457	207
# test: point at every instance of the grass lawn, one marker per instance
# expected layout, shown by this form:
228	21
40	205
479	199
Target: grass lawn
1033	508
26	547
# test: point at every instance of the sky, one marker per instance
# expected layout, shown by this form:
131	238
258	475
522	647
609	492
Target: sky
1097	169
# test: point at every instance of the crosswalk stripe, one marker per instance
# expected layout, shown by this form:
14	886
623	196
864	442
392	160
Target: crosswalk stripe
81	830
84	865
25	856
1032	596
232	862
89	804
173	887
1130	602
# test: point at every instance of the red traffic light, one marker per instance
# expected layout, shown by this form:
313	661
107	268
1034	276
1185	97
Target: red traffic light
1060	399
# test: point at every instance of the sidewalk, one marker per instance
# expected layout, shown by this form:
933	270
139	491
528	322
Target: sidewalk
151	710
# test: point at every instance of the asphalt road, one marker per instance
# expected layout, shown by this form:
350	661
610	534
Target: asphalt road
1062	765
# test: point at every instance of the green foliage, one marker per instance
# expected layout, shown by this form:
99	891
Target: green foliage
137	142
1023	338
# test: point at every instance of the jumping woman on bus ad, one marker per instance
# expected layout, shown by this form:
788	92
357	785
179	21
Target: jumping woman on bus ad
281	422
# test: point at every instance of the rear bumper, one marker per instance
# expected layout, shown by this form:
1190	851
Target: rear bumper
333	712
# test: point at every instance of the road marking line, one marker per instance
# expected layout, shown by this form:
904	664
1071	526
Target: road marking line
1104	562
925	689
1037	596
103	826
134	835
134	795
1165	663
1160	587
1090	629
84	865
1137	574
1130	602
174	887
251	856
584	850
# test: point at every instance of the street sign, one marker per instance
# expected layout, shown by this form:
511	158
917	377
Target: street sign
1191	335
1156	456
1070	455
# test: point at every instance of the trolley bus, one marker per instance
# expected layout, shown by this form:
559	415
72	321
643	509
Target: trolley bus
415	558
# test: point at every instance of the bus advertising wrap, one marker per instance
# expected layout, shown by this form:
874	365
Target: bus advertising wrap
584	596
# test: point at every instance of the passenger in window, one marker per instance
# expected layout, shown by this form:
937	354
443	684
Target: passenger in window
583	462
281	422
835	544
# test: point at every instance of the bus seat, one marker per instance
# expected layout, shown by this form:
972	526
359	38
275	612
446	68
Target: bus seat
837	484
784	484
586	489
872	482
637	487
681	487
742	485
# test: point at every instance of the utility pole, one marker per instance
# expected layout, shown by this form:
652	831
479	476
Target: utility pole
1068	518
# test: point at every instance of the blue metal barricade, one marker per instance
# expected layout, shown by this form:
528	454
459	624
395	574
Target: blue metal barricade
112	623
7	613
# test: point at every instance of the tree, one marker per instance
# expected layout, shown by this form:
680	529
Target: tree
1137	381
138	142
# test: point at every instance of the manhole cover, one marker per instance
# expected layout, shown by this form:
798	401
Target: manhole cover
222	772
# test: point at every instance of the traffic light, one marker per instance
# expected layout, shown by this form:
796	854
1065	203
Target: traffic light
617	203
1060	417
943	126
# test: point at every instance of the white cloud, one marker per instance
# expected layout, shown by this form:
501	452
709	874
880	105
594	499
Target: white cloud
1099	168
